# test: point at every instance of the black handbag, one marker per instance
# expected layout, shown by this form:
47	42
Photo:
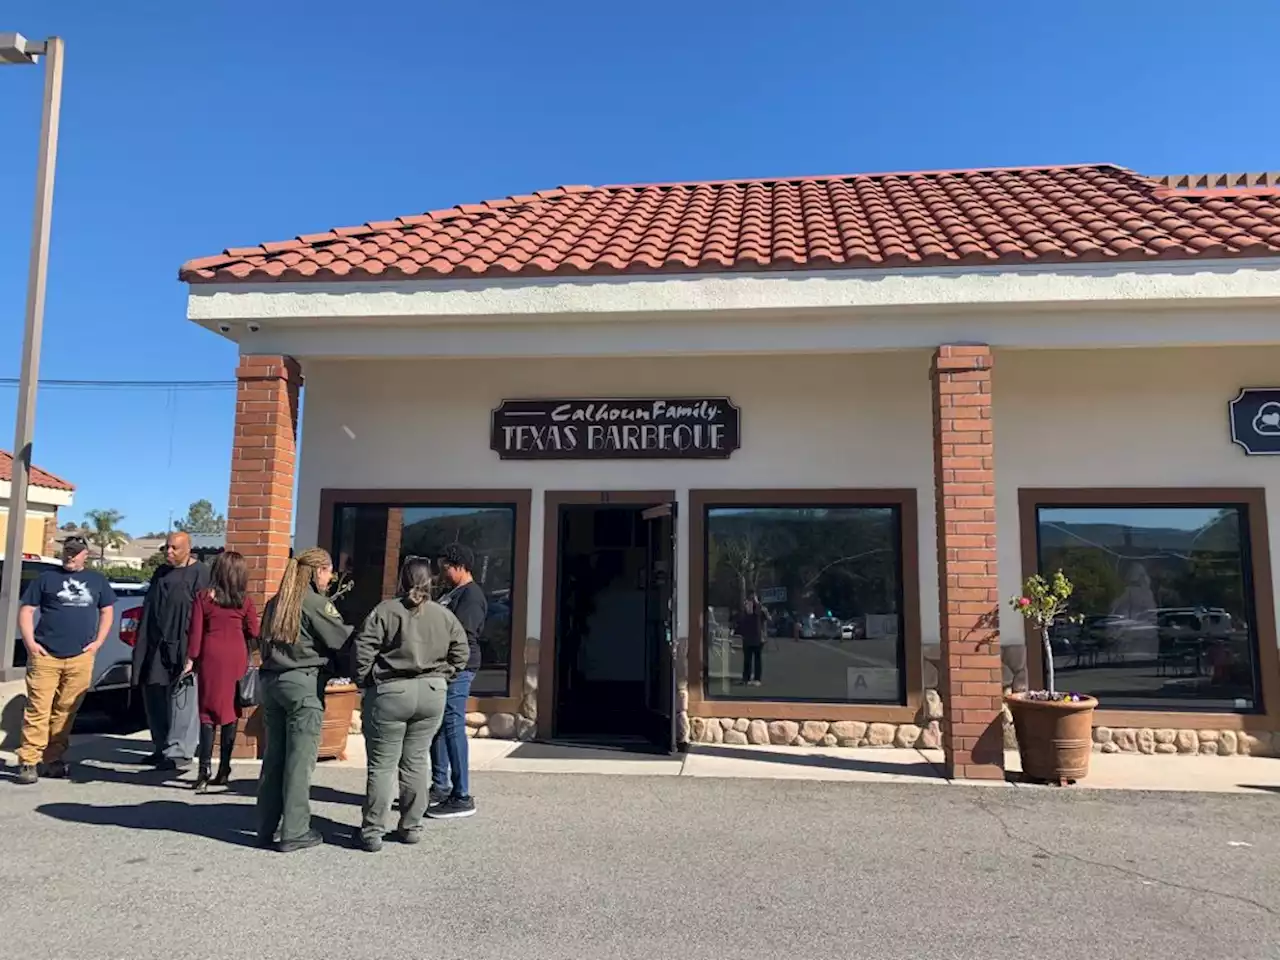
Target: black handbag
247	693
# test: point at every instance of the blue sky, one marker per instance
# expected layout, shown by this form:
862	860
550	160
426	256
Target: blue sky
191	127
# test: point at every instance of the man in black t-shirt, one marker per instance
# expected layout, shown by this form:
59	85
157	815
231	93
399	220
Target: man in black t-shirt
76	610
450	752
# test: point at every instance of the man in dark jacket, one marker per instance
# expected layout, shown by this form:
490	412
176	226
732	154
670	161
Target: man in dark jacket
450	783
160	655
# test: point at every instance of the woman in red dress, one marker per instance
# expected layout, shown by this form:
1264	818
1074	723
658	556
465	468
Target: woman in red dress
224	625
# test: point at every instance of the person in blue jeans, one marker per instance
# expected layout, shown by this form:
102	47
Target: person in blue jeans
450	783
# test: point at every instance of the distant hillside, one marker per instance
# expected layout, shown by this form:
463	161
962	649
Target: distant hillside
1221	537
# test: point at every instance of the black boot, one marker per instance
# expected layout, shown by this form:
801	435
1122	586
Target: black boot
224	759
205	755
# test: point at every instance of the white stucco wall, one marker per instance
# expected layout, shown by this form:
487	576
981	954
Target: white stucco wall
1123	418
814	422
1136	417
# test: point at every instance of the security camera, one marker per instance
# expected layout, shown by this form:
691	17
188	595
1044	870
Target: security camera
254	326
224	327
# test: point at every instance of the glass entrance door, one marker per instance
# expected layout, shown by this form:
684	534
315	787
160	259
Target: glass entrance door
660	621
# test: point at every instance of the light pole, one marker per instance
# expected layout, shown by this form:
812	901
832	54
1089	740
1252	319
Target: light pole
17	49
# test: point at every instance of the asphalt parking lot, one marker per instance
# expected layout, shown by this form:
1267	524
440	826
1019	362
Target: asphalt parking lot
124	864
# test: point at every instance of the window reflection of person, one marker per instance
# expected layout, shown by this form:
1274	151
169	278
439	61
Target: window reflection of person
1138	601
1137	606
754	618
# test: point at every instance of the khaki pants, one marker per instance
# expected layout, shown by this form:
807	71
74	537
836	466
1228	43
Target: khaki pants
55	690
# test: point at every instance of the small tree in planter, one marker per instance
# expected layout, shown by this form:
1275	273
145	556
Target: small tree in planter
1055	730
1044	603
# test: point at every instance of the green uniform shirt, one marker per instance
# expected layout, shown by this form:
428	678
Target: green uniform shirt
398	641
322	635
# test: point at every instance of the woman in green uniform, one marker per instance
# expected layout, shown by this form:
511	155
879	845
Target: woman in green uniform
301	633
406	652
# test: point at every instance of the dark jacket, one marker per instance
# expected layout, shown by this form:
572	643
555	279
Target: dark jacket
469	605
751	624
160	650
398	641
320	639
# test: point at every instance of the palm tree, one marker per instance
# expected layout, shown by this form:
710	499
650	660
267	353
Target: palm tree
104	534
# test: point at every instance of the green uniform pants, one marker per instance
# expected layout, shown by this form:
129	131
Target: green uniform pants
293	713
400	718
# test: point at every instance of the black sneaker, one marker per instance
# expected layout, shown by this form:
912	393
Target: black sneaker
58	770
309	839
453	809
28	774
438	795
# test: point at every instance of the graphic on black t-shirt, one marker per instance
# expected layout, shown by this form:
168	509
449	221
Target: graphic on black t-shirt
68	603
75	593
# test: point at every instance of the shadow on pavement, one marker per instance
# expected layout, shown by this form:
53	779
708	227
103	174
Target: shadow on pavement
11	723
319	792
916	768
242	784
129	753
109	748
231	823
1262	787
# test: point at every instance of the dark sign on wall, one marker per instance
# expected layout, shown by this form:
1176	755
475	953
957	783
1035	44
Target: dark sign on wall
1255	420
635	429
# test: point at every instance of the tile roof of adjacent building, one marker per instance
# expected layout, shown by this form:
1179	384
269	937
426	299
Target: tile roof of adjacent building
40	478
1065	214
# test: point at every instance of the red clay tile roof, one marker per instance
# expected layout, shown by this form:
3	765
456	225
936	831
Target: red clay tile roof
939	218
39	478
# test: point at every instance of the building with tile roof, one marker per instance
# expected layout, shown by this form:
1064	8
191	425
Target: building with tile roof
45	494
756	461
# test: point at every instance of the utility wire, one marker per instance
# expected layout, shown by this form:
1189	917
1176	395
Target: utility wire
127	384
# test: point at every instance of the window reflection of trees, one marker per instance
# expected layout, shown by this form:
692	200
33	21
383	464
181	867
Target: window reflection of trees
490	533
830	579
360	541
1165	600
840	560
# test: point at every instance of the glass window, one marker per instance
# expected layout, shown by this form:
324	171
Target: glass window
361	537
1167	600
804	603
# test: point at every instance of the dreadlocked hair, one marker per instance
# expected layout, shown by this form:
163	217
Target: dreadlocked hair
415	583
284	620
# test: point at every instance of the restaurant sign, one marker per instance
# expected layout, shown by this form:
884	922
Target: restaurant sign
1255	420
702	428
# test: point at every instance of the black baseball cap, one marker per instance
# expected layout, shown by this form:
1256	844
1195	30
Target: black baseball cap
74	546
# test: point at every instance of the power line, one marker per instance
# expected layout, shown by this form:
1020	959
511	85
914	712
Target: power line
127	384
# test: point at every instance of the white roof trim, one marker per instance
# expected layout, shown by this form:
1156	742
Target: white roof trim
1251	281
36	494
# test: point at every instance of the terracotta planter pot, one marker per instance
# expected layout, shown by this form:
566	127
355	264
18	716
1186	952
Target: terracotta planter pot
339	703
1055	738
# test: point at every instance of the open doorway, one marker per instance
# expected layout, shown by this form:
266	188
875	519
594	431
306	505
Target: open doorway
614	661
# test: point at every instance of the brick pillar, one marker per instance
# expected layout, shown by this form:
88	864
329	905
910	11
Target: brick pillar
259	516
969	673
391	557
